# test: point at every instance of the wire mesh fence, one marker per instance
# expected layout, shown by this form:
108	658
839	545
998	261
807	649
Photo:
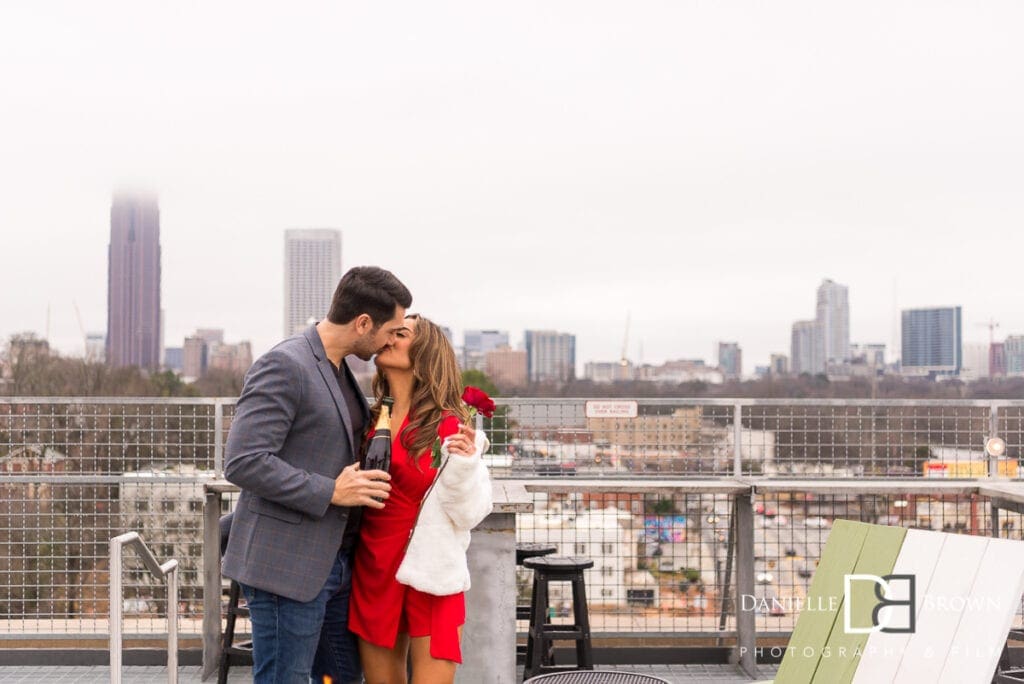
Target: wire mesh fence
756	437
662	563
76	472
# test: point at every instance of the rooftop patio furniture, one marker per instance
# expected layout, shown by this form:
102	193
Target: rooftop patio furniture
232	652
595	677
526	550
950	627
542	633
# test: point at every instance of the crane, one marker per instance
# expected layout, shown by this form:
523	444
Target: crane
81	328
623	361
991	325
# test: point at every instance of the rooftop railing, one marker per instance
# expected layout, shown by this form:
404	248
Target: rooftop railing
645	486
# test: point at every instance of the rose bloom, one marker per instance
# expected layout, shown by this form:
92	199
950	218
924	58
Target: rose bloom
478	399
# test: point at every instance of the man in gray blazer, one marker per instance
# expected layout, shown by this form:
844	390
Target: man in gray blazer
293	450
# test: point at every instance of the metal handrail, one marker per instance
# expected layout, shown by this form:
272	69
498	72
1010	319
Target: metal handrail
514	401
168	570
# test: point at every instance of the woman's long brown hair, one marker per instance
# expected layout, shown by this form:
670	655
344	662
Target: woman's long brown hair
436	387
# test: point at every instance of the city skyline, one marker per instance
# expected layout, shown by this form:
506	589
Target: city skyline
516	339
698	169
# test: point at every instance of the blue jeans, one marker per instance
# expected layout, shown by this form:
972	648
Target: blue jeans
293	640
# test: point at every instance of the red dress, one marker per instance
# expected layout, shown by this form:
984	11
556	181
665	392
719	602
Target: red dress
381	606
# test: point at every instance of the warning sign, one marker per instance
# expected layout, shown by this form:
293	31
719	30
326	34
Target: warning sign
611	409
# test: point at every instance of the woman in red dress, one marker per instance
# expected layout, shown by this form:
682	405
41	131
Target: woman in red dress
408	584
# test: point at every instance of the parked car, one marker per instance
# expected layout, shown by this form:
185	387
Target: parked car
817	521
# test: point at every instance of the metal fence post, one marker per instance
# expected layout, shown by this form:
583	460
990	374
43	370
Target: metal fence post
211	583
737	436
218	438
115	613
746	626
993	431
172	622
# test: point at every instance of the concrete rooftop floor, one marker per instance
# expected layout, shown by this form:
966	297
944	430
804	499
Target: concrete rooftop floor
677	674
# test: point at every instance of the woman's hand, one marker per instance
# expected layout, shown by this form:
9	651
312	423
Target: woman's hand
463	442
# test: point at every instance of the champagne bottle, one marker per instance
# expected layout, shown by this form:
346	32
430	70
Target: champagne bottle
378	452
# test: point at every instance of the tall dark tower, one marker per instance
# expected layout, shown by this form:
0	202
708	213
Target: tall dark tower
133	283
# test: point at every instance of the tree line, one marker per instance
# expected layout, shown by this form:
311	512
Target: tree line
32	369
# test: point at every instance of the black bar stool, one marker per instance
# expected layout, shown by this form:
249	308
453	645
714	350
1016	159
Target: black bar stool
230	652
526	550
543	633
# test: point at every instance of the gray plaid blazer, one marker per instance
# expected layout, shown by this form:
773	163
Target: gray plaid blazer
290	438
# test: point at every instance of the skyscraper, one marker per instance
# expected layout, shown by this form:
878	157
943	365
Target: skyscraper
932	341
1013	354
312	269
730	360
833	317
550	356
805	348
133	282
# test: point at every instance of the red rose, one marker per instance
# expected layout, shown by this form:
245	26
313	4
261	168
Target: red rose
478	399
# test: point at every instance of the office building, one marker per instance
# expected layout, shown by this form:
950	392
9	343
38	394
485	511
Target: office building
233	358
833	317
1014	355
679	371
312	269
778	364
211	335
174	359
133	283
730	360
476	344
997	360
609	371
206	350
805	349
550	356
869	354
95	347
506	367
931	342
194	357
975	361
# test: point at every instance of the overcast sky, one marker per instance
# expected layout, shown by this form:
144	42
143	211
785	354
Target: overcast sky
525	165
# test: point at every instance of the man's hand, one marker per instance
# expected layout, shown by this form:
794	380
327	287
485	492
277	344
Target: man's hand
355	487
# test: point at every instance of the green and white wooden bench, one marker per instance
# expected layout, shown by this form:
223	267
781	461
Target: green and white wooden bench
966	592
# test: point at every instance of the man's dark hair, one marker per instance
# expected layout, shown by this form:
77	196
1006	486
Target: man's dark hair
368	290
